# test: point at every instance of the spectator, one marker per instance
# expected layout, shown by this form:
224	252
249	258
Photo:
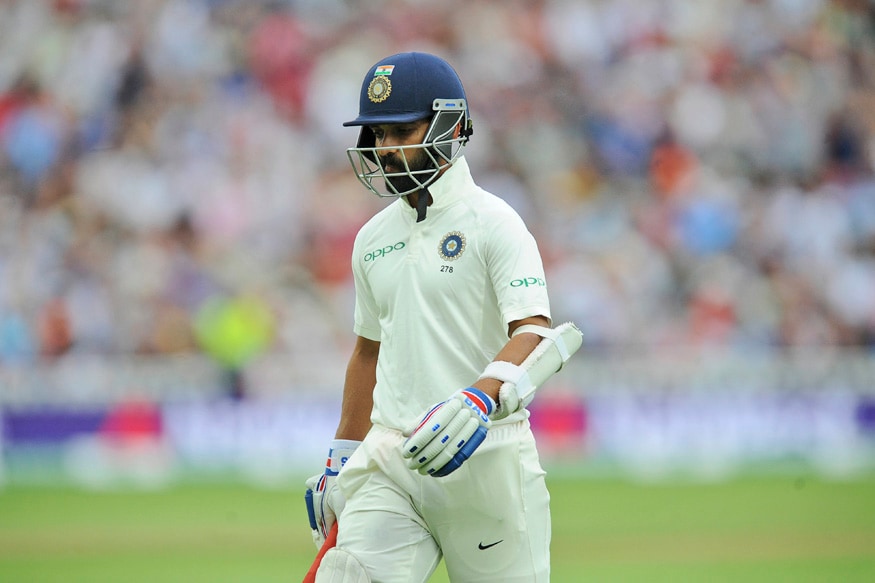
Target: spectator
154	153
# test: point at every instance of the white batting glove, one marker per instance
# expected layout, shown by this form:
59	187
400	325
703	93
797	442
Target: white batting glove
449	433
323	498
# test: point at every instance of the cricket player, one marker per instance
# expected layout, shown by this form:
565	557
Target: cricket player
433	455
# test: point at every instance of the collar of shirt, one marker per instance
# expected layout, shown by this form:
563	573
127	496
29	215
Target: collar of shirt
451	187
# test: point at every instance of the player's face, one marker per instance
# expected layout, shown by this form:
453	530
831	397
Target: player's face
392	137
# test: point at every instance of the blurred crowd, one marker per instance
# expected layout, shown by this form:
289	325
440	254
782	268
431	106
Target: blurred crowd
173	176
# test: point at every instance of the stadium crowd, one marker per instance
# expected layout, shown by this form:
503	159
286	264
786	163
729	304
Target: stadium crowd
173	176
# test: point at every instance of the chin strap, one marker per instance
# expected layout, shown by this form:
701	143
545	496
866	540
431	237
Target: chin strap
422	204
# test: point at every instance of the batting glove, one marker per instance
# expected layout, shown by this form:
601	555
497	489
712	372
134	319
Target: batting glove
449	433
323	498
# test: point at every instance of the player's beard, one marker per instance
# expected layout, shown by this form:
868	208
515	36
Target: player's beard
417	160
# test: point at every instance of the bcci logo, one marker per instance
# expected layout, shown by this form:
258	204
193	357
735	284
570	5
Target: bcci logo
452	246
379	89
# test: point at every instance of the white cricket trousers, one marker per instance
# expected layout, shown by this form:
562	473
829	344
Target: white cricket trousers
489	520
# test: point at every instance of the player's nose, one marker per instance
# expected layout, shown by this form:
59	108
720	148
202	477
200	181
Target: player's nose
390	161
388	145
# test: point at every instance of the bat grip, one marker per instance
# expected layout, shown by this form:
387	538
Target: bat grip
330	541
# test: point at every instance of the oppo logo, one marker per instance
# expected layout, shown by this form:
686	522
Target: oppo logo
374	255
528	282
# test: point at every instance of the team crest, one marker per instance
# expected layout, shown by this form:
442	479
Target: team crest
379	89
452	246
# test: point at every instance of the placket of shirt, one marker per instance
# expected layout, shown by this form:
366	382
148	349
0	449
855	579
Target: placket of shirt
417	239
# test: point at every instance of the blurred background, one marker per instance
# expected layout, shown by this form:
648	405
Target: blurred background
177	214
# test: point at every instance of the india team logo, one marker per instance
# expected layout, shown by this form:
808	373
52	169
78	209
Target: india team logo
452	246
379	89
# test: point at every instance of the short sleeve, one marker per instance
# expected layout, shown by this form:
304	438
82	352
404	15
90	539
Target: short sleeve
366	322
517	271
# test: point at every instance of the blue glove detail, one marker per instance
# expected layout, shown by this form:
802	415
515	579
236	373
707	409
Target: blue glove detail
463	454
311	511
449	432
323	499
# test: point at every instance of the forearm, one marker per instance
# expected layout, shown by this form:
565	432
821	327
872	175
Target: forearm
515	351
358	391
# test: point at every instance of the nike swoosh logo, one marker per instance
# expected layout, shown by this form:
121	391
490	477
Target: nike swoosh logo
483	547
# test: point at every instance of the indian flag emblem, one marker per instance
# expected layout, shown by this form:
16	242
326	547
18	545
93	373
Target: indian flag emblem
384	70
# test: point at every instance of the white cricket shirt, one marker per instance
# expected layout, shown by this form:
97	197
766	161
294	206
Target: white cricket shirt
439	294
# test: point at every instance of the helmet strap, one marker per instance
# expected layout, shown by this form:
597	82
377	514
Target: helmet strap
422	204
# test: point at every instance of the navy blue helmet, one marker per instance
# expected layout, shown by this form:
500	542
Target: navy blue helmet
404	88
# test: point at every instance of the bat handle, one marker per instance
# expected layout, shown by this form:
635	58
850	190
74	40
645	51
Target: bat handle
330	541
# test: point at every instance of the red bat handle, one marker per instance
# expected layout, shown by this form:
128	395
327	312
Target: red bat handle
330	541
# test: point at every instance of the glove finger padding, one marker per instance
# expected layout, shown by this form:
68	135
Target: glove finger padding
449	433
323	498
447	441
449	459
324	503
436	419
